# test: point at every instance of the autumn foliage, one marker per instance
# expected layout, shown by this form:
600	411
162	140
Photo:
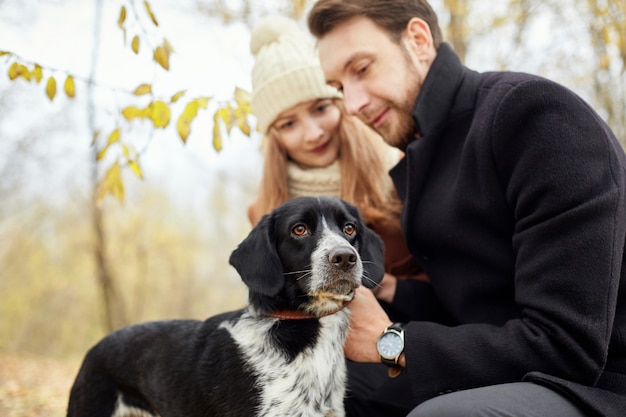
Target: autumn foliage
158	111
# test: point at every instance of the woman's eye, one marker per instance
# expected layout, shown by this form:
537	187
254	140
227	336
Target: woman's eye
349	229
299	230
286	125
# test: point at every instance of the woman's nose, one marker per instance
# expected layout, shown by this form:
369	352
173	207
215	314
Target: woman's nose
313	131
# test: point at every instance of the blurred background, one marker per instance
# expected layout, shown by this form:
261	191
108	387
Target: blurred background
128	155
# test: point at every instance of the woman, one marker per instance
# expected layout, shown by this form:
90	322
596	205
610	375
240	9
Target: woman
312	147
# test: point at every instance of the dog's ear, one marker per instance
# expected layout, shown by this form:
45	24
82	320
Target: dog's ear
372	253
257	262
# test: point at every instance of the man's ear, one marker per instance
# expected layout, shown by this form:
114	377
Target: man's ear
419	39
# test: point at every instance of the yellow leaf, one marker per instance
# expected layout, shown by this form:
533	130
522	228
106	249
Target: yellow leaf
242	122
223	113
102	153
70	87
5	53
135	44
125	150
184	128
183	124
177	96
37	73
217	137
114	137
51	88
149	10
162	57
136	168
159	113
168	46
132	112
24	72
111	183
203	102
241	96
122	18
143	89
14	71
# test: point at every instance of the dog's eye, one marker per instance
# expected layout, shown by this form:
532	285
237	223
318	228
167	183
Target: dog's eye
349	229
299	230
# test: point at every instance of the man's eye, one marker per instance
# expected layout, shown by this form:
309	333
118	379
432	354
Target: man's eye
299	230
349	229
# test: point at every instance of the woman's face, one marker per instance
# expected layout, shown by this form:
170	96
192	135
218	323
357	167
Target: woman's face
308	132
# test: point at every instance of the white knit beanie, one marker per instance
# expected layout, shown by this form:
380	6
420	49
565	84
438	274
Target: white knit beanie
286	71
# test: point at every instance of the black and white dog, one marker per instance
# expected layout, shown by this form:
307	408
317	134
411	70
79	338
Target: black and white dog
280	356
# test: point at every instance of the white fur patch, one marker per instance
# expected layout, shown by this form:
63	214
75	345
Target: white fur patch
312	385
323	273
124	410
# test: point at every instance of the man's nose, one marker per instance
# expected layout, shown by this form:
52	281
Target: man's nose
355	98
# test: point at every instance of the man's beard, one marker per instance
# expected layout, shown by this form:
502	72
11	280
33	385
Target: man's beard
399	134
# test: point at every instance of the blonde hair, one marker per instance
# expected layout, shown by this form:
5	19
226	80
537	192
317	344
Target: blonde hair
365	181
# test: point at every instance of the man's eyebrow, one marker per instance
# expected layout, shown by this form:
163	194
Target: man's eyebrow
355	56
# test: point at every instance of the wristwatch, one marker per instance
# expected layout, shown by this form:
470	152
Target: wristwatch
390	345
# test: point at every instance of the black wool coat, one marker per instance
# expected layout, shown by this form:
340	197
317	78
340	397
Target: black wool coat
515	205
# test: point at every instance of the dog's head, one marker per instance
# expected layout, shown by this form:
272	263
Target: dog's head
309	254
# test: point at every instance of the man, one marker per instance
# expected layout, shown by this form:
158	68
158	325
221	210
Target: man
514	204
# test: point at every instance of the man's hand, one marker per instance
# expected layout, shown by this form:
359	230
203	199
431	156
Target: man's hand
367	321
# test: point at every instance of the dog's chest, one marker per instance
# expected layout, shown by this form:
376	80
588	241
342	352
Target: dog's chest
310	385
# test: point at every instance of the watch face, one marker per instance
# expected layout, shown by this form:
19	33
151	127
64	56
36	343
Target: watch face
390	345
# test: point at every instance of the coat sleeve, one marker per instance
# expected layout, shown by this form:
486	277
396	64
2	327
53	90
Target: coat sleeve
561	173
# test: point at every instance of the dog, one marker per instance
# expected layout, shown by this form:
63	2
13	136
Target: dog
282	355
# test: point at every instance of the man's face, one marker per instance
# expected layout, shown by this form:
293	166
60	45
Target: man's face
380	79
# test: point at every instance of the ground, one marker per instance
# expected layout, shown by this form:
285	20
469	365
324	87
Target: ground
34	387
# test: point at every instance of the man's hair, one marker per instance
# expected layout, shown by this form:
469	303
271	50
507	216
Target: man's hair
391	15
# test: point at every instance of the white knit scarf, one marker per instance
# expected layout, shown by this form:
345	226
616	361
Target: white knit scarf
305	181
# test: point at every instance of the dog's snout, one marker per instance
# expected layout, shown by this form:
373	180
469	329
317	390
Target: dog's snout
343	258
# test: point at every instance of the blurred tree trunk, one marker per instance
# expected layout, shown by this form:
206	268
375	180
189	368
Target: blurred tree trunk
114	311
607	29
456	33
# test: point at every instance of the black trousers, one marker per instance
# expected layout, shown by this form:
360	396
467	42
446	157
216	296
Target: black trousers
371	393
520	399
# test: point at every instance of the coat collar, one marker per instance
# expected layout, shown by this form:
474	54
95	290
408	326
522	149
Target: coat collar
449	88
449	91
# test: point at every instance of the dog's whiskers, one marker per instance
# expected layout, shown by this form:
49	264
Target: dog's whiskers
371	280
305	275
297	272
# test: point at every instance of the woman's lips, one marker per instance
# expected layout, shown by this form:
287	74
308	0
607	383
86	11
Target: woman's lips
320	148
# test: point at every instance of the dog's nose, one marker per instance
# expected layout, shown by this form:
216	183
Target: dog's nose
343	258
